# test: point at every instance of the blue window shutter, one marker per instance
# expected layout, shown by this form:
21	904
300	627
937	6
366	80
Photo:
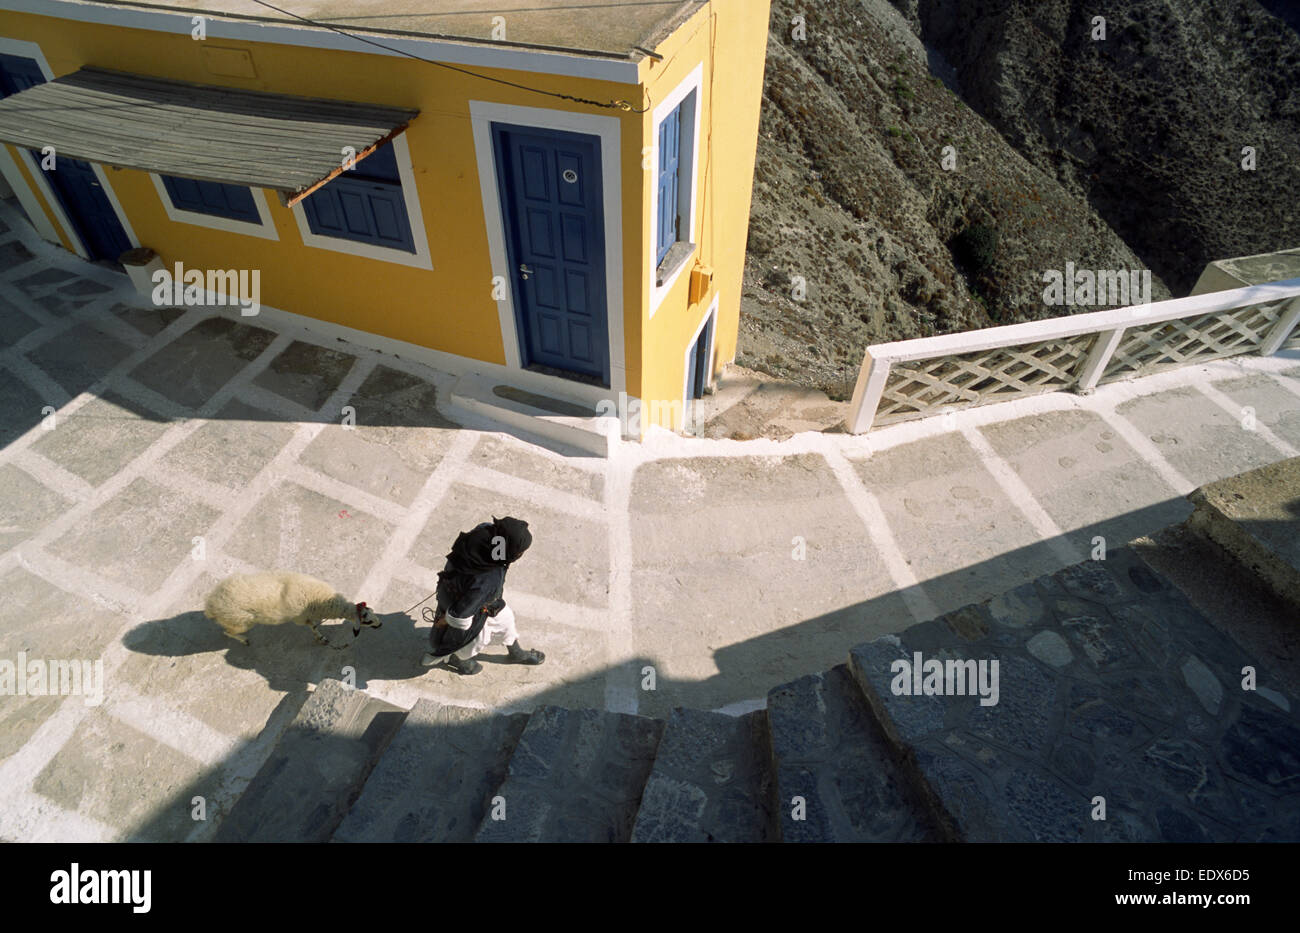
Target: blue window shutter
670	134
210	197
324	213
361	210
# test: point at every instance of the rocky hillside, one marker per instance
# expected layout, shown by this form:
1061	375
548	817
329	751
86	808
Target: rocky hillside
862	231
1148	124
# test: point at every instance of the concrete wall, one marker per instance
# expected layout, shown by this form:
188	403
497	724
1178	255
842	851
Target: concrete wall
1225	274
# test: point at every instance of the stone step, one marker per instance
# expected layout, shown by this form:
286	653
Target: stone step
563	421
575	776
1112	690
711	781
1232	597
836	778
435	779
1254	517
316	770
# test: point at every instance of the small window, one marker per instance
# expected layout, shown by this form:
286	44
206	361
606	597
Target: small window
210	197
364	204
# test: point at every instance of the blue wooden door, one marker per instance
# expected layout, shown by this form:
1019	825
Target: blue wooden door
74	182
87	204
551	197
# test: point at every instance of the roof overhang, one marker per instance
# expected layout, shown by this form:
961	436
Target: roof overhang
292	145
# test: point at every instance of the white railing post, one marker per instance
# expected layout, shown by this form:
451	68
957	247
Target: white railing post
1286	323
1098	357
867	393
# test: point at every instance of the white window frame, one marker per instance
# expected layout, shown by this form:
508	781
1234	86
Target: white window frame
9	167
420	259
265	229
610	132
687	185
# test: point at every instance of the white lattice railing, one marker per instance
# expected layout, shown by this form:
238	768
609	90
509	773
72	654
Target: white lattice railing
915	378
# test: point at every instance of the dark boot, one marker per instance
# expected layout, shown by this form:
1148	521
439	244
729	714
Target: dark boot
463	667
520	656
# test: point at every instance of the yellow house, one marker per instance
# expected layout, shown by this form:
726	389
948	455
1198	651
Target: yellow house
539	194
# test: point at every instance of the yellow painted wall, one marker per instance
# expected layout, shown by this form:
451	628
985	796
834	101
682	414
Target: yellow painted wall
730	38
741	64
451	308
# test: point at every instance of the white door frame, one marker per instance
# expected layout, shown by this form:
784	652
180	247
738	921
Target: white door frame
690	345
609	130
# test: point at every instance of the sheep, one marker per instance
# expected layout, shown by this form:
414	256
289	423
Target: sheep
243	600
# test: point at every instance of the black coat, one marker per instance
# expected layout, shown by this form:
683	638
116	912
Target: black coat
472	584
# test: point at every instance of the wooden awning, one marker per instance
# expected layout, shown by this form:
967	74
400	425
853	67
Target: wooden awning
292	145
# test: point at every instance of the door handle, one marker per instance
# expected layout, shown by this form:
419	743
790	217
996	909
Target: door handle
523	267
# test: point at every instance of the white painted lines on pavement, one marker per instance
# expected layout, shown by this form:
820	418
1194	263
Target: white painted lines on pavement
1238	414
1146	449
51	475
416	516
882	537
622	682
1021	497
177	730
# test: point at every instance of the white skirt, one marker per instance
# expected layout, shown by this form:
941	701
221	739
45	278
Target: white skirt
499	629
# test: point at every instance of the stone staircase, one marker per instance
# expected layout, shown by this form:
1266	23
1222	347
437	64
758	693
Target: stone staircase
1117	690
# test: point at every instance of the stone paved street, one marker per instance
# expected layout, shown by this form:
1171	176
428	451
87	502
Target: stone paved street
147	452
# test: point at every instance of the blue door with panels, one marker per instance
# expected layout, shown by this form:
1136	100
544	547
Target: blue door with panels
552	206
74	182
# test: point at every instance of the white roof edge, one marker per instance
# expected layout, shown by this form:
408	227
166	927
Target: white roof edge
456	53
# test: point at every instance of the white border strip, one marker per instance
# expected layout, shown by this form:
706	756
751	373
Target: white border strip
486	56
23	191
609	130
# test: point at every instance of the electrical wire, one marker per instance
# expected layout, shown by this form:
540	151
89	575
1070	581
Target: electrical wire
619	104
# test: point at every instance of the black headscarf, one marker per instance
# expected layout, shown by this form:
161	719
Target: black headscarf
492	545
516	534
